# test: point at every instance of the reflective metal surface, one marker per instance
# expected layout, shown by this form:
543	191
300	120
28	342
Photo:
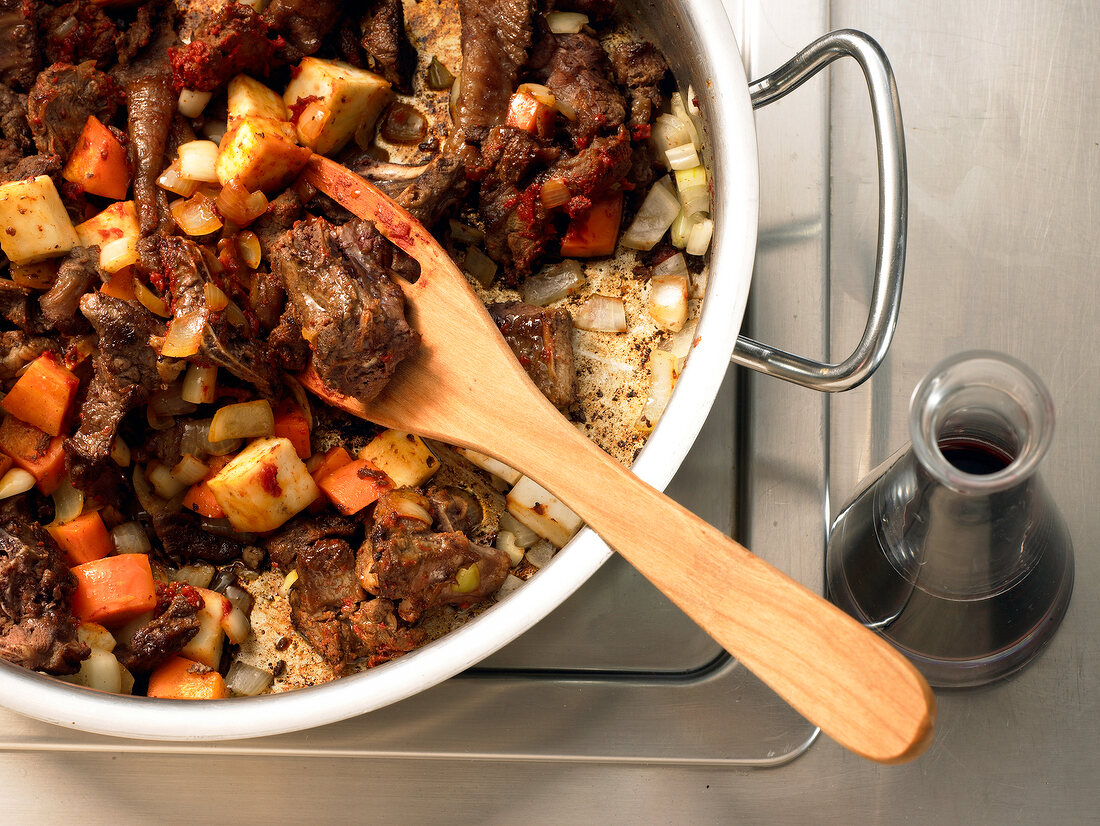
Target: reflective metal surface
1001	111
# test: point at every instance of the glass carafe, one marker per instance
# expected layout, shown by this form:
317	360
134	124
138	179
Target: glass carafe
954	550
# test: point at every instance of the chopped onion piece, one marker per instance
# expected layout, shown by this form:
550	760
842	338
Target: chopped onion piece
553	283
158	421
465	234
68	502
200	384
682	226
402	123
540	553
164	483
215	129
288	582
480	266
150	300
668	301
15	482
171	180
248	246
439	76
692	186
554	193
668	131
654	217
524	536
241	599
198	576
192	103
681	343
682	157
663	373
184	335
601	313
120	452
236	625
118	254
673	265
190	470
676	103
215	297
237	204
246	680
196	215
170	402
567	111
566	22
511	584
301	398
235	316
244	420
699	239
198	160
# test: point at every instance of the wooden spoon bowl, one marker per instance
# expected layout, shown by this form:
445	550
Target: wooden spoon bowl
836	673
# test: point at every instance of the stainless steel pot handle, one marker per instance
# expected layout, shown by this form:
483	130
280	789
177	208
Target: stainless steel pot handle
892	207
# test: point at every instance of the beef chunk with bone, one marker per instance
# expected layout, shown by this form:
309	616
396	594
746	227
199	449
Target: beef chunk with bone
403	559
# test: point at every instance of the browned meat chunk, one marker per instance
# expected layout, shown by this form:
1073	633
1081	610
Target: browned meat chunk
175	623
151	105
222	344
230	40
580	76
438	188
14	130
78	272
184	540
80	30
495	37
641	68
37	629
454	509
542	340
350	310
125	375
405	560
303	24
283	547
18	349
20	53
388	49
329	608
16	307
61	100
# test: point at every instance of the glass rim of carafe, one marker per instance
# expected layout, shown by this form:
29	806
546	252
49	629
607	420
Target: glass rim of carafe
1027	407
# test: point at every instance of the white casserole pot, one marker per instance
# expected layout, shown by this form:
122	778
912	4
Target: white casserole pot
696	37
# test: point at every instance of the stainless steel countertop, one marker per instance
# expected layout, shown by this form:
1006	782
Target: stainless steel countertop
1003	130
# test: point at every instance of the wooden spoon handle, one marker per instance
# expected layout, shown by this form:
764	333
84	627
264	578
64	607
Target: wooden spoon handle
836	673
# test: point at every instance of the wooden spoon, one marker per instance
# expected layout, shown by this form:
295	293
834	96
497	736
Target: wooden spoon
465	387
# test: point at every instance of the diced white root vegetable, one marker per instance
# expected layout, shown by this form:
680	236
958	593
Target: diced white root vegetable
15	482
525	537
198	160
116	230
347	99
244	420
542	512
206	646
668	301
100	671
506	541
263	486
491	465
261	153
34	221
200	576
511	583
246	96
663	371
192	103
95	635
401	456
540	553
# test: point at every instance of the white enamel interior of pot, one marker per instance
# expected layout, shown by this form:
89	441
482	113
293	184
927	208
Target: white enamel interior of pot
721	88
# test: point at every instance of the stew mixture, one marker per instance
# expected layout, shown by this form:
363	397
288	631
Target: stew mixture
177	517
